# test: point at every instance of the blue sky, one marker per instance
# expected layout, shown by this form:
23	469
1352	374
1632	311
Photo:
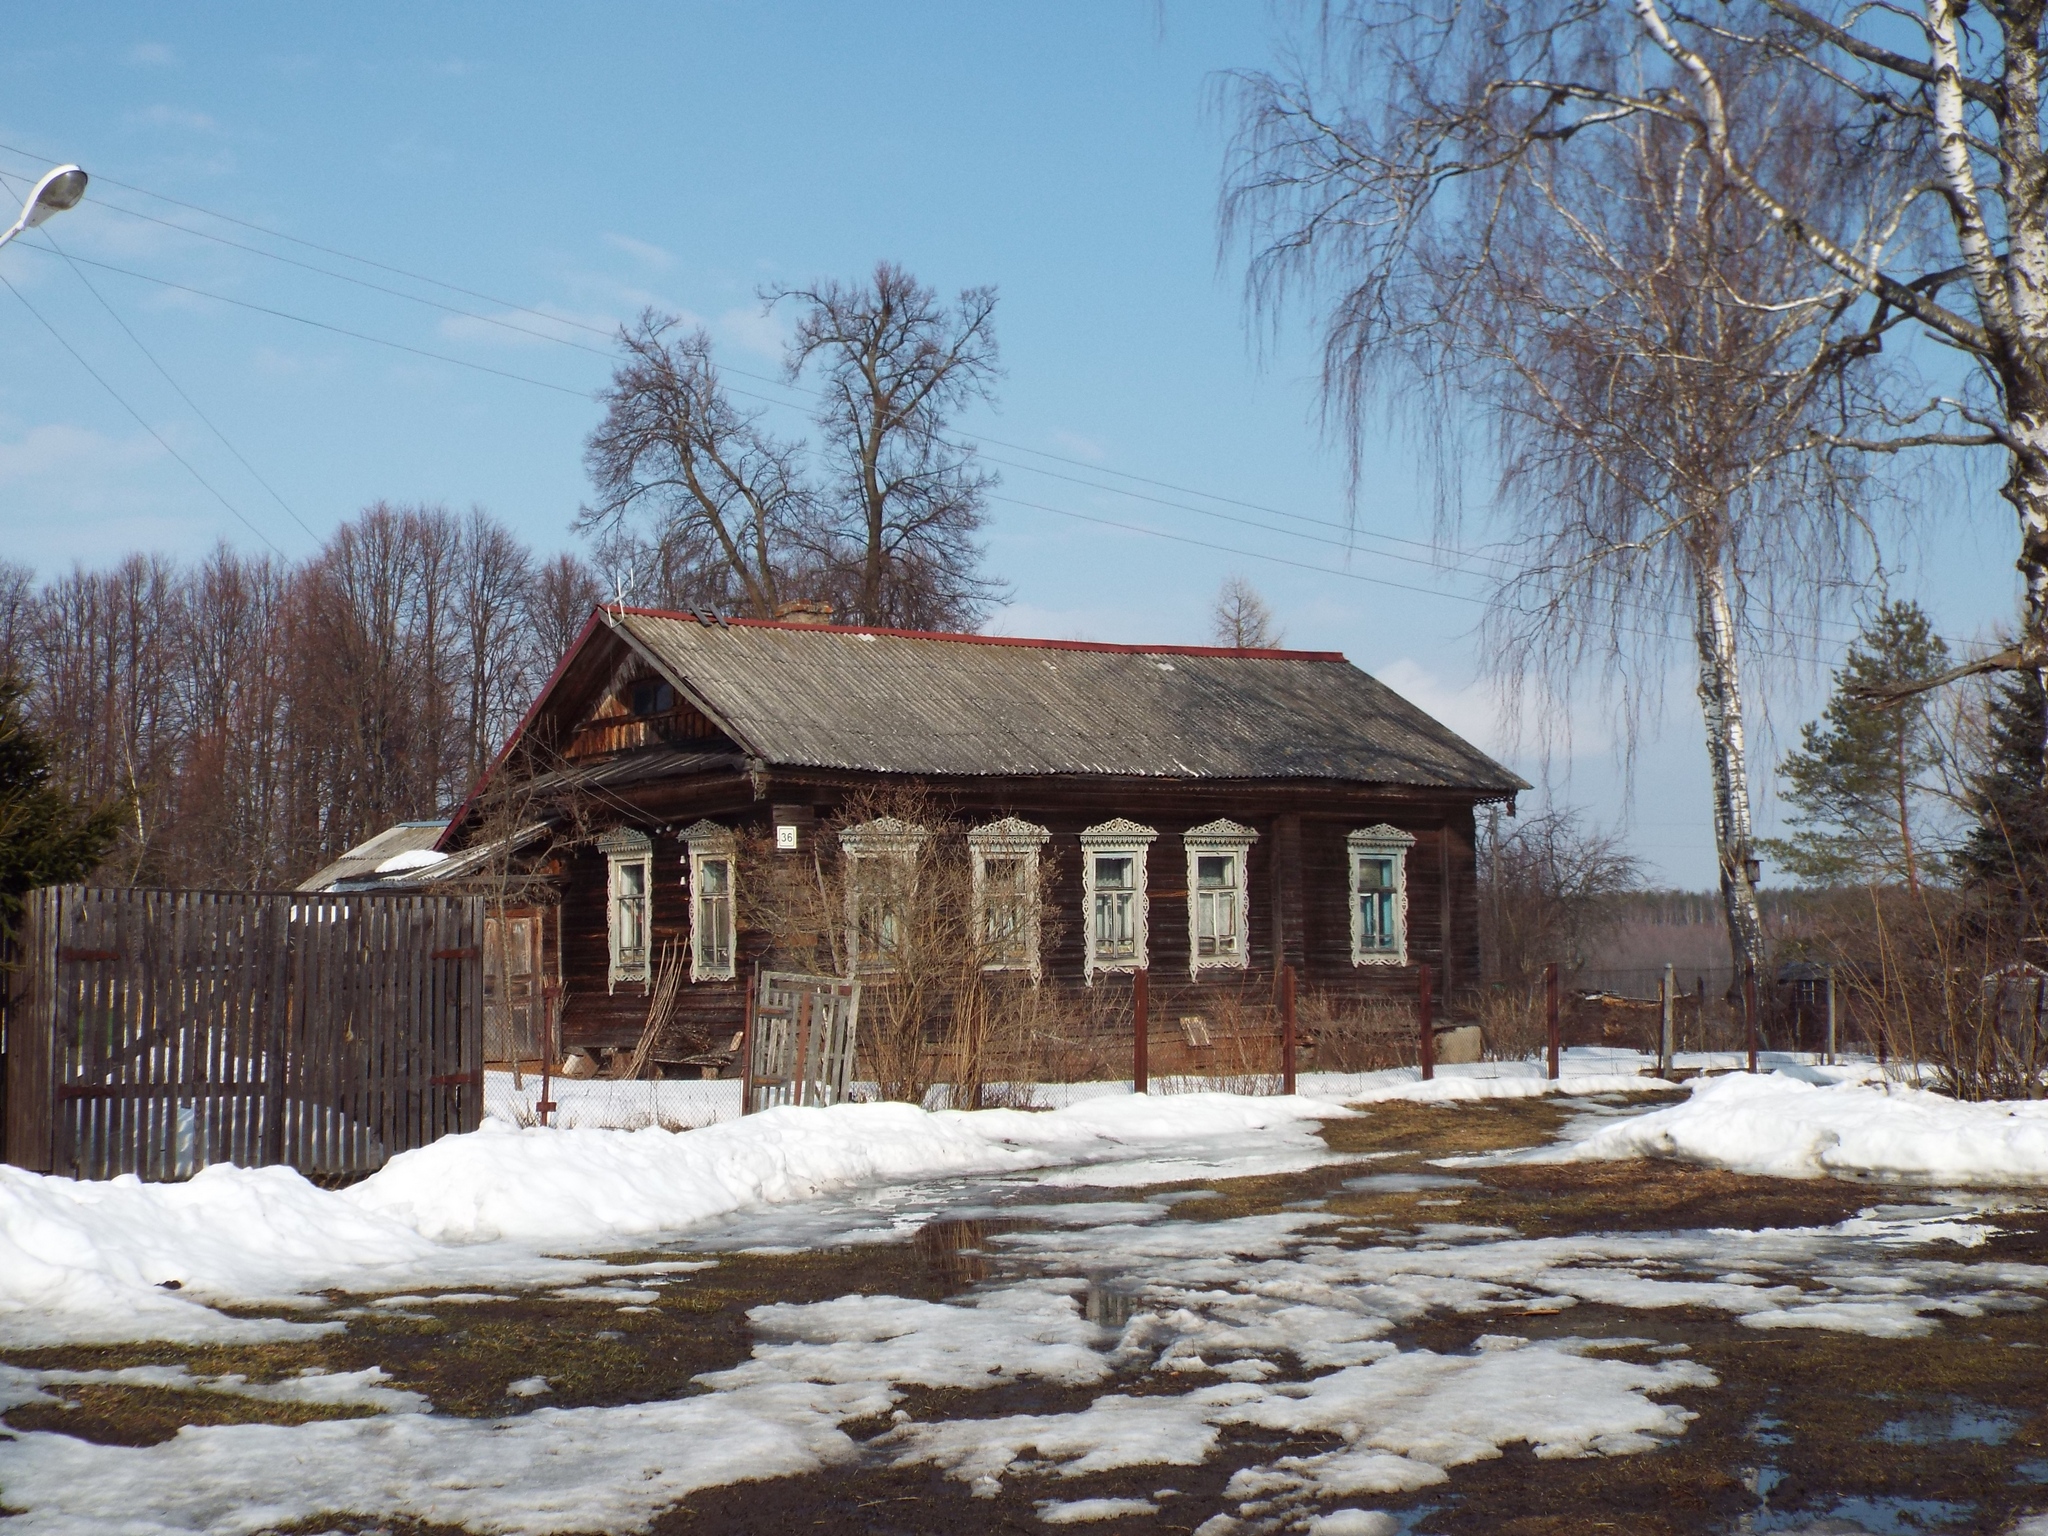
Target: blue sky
588	163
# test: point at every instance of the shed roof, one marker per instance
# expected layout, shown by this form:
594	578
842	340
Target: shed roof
360	862
895	701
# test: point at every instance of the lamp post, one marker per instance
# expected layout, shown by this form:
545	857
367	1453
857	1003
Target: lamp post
58	190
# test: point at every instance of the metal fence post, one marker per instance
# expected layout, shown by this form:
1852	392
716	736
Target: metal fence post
1550	1014
1141	1021
1287	1041
1428	1040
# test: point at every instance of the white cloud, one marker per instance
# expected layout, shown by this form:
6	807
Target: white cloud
175	117
1079	447
642	251
751	331
61	452
519	328
152	56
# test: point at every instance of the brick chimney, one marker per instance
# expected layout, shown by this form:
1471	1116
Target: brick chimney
804	612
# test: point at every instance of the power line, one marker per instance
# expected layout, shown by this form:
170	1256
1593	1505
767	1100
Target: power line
322	325
189	401
1434	557
152	431
1324	570
1265	528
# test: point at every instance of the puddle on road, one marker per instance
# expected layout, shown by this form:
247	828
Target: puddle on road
1869	1517
953	1249
1970	1423
1111	1306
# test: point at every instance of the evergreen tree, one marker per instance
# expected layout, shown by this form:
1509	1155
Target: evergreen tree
2007	850
1857	787
46	838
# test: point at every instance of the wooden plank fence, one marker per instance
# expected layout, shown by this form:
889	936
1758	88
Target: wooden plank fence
155	1032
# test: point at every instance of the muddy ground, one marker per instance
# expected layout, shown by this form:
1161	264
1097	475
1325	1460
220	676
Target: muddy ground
1941	1433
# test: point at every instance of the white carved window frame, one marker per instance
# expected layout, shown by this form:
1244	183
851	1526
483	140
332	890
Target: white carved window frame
1387	843
626	850
1116	837
1010	838
708	842
1211	839
868	842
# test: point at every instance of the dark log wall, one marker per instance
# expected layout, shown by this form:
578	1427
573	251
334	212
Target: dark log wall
1298	873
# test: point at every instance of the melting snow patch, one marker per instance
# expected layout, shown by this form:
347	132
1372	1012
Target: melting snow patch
1780	1126
1075	1511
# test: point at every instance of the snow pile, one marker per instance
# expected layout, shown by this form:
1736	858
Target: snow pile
1781	1126
121	1260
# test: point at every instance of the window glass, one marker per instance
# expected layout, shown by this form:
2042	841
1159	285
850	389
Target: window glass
1006	910
1216	906
1376	928
629	919
714	922
1116	929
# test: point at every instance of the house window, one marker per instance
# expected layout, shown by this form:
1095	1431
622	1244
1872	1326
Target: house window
1006	917
712	924
1219	896
629	895
881	879
1113	894
1379	895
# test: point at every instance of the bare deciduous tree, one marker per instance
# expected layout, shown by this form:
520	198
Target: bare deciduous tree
1240	618
1660	372
1544	885
726	499
254	719
564	592
904	495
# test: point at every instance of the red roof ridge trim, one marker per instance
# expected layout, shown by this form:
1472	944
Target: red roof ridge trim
1259	654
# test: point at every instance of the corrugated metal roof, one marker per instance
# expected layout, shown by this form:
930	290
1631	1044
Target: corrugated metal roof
361	861
894	702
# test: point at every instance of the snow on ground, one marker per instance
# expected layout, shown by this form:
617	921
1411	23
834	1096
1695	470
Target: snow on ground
1237	1307
607	1104
1233	1299
1860	1127
121	1259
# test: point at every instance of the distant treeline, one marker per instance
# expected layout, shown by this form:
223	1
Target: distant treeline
256	717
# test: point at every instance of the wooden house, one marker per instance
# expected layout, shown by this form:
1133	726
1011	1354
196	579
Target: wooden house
1205	814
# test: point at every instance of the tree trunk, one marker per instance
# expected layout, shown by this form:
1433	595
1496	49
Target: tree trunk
2026	489
1720	691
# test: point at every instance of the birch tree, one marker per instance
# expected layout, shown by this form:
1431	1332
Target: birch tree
1662	377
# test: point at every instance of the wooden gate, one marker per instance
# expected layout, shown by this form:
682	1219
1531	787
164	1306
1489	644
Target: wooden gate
156	1032
800	1040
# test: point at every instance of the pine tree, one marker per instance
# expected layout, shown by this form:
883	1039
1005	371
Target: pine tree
2007	849
1857	785
46	838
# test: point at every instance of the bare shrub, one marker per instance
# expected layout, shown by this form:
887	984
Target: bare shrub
887	892
1350	1036
1931	980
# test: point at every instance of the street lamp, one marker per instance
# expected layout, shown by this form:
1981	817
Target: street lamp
58	190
